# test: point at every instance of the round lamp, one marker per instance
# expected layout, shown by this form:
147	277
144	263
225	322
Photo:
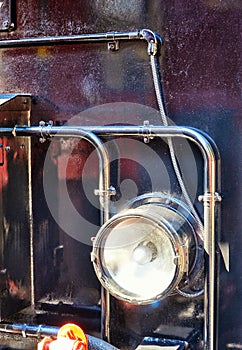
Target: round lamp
148	250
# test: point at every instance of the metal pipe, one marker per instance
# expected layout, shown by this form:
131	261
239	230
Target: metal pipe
143	34
31	224
211	168
69	39
104	163
104	178
40	331
29	330
103	192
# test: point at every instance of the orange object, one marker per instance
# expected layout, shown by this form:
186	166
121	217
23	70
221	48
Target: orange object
69	337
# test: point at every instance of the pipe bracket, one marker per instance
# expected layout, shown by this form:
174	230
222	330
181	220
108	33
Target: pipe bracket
208	196
111	191
45	134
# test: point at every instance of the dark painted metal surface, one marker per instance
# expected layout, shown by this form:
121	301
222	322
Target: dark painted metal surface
16	211
200	62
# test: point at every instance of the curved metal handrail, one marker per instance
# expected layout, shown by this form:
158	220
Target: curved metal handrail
210	196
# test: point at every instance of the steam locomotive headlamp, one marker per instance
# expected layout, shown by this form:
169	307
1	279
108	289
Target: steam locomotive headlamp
149	250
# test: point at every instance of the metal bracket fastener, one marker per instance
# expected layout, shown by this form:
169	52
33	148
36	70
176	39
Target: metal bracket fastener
23	331
14	131
208	196
48	126
152	48
109	192
8	25
113	45
146	131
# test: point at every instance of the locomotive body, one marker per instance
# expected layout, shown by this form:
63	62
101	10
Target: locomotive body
120	171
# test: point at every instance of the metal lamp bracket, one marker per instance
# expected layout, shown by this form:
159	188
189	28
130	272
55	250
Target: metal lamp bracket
113	45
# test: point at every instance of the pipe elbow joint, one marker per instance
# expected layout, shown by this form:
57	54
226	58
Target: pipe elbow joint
154	41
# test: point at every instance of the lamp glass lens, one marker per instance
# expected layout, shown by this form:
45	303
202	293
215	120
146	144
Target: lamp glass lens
138	258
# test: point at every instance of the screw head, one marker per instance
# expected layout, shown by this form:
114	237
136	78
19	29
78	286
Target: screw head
8	25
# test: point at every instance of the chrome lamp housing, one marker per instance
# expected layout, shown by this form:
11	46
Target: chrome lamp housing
151	249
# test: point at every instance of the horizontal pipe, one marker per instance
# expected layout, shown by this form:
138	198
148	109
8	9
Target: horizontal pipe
40	331
29	330
68	39
143	34
201	139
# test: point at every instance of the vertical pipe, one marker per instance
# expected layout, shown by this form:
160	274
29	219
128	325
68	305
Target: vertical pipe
31	223
103	191
210	260
211	174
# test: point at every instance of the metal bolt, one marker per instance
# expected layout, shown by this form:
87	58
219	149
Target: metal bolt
113	45
8	25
